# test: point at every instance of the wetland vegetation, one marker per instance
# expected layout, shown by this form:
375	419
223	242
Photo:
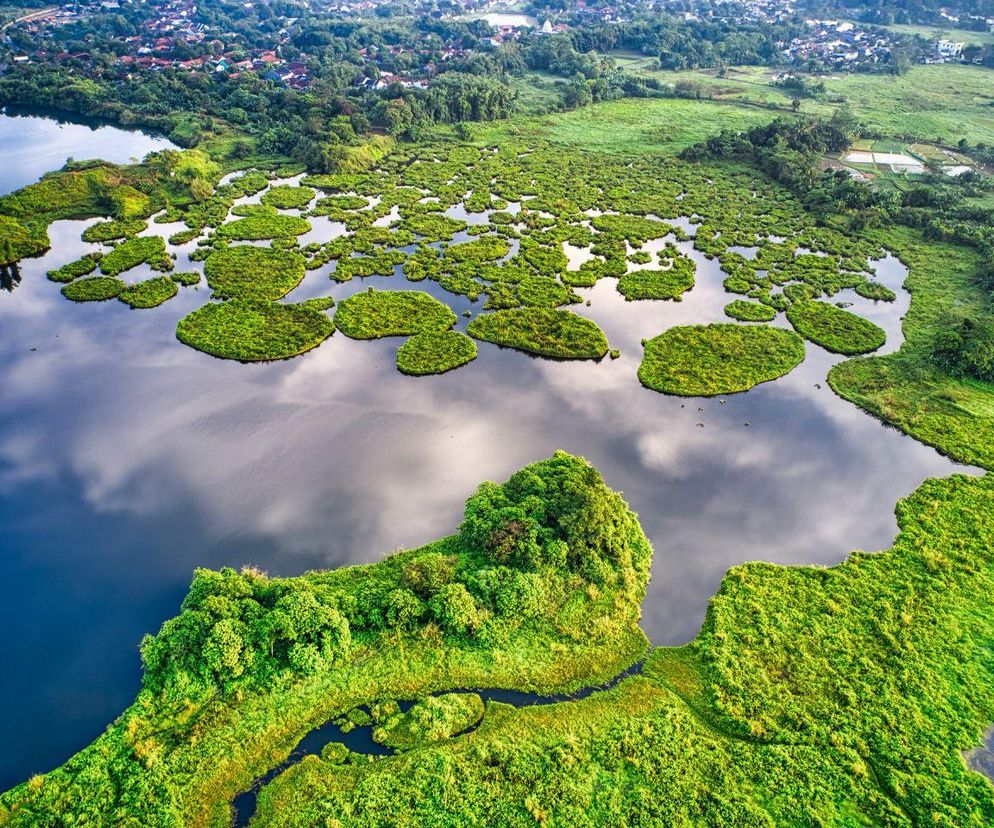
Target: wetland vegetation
707	360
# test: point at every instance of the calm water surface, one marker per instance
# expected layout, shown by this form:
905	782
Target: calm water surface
127	460
31	146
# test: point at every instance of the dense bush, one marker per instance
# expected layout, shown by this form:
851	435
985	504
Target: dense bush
250	272
557	513
435	352
542	331
254	330
705	360
835	329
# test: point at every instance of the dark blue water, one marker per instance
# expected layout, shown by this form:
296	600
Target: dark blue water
127	460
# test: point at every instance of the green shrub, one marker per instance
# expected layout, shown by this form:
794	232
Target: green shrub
543	331
705	360
435	352
253	330
835	329
249	272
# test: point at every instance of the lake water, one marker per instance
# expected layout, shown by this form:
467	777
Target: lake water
31	146
127	460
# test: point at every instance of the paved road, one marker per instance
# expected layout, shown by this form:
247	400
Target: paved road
31	16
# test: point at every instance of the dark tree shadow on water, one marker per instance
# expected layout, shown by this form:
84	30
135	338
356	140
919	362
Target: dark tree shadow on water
10	277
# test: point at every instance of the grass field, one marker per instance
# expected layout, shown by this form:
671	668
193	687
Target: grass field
970	38
632	126
938	104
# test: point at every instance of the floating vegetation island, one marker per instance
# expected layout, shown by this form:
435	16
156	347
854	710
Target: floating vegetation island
255	330
249	272
407	218
835	329
435	352
706	360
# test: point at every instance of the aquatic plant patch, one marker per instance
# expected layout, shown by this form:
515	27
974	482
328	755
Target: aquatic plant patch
657	284
705	360
254	330
875	291
286	197
105	231
262	227
377	313
835	329
435	352
149	293
430	720
83	266
746	311
250	272
543	331
93	289
133	252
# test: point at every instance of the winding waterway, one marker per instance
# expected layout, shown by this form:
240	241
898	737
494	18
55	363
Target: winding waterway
127	460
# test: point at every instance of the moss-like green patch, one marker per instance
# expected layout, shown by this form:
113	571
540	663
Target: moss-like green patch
656	284
83	266
704	360
286	197
254	330
378	313
133	252
542	331
93	289
249	272
259	227
104	231
835	329
435	352
187	278
149	293
875	291
746	311
486	249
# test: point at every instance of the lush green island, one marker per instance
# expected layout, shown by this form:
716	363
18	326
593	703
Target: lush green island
705	360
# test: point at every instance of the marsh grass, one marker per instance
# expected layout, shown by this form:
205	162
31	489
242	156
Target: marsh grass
435	352
254	330
706	360
835	329
542	331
